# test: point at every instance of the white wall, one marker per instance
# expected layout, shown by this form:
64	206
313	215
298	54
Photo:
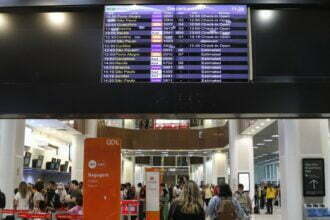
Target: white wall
219	168
127	171
139	174
129	123
212	123
37	141
197	173
209	171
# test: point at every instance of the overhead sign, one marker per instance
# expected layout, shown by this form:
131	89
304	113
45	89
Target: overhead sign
313	177
102	161
152	193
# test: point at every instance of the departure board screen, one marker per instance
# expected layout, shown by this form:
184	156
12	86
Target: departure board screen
175	43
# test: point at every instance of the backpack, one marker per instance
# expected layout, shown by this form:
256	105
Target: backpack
227	210
2	200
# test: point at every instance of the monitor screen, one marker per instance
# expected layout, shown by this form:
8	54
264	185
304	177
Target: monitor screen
175	43
291	44
50	47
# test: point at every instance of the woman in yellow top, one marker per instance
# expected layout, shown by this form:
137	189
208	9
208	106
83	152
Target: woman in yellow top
270	196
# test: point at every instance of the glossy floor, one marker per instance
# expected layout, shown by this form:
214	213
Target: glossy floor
275	216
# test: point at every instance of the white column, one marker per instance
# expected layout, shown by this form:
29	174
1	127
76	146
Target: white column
241	156
78	142
219	168
91	128
299	139
204	171
11	156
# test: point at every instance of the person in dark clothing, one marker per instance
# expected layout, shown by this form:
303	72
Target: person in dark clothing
189	206
74	193
52	199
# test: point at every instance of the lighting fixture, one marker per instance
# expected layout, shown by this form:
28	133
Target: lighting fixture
260	144
56	18
257	127
275	136
266	15
268	140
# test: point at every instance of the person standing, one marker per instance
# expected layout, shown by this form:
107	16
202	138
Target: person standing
22	197
164	202
263	196
189	204
74	194
270	196
61	192
2	202
208	194
38	196
244	199
225	206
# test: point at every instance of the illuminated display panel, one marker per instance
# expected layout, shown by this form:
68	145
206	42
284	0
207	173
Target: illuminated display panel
175	43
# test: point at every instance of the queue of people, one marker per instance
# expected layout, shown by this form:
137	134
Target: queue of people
267	196
184	201
50	197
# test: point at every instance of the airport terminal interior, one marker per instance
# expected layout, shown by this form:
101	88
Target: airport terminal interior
260	154
164	110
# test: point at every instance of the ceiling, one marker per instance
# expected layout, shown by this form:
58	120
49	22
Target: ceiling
266	144
58	129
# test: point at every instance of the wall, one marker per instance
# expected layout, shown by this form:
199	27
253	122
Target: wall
139	174
197	173
38	145
219	167
262	175
127	171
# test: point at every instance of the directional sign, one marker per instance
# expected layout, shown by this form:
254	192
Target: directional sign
313	177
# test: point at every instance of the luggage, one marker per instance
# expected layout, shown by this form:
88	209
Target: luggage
256	210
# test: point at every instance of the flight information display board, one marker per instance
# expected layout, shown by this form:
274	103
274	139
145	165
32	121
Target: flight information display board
175	43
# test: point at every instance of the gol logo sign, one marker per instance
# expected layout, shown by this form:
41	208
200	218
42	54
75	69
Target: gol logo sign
92	164
112	142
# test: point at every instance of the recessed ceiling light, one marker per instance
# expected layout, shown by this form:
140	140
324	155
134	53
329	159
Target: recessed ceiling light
275	136
260	144
257	127
268	119
262	124
268	140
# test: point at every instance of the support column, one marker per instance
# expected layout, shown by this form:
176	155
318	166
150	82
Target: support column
241	156
204	171
91	128
12	134
219	167
299	139
78	142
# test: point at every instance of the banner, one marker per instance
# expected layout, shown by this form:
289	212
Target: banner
102	161
152	193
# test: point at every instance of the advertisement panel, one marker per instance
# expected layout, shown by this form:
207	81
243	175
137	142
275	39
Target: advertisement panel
152	197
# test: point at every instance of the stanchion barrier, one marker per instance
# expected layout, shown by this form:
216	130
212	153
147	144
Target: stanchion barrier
130	208
34	215
12	211
69	217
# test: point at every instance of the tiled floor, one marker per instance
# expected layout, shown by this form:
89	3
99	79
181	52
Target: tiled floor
275	216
